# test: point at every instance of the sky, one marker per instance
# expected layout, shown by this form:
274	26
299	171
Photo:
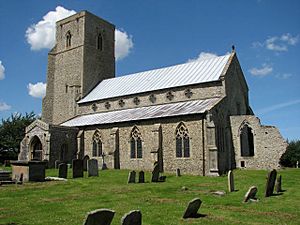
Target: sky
152	34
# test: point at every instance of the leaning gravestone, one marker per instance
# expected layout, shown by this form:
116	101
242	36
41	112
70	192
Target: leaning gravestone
155	173
63	170
132	218
270	183
178	172
192	208
230	181
278	184
141	177
77	168
92	165
250	194
99	217
131	177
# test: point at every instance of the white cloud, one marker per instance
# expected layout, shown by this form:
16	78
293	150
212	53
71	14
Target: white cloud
203	56
278	106
4	106
37	90
263	71
123	44
2	70
42	34
284	76
278	43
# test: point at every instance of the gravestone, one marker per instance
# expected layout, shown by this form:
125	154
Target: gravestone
56	163
77	168
63	170
132	218
230	181
99	217
278	184
85	159
92	165
178	172
131	177
250	193
155	173
192	208
270	183
141	177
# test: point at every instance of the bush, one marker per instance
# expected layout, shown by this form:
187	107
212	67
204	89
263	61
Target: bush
291	155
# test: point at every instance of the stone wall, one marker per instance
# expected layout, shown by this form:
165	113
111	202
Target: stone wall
150	143
269	145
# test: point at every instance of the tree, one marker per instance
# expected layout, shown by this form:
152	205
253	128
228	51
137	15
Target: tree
12	130
291	155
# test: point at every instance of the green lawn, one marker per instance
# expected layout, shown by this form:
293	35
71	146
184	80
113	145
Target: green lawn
160	203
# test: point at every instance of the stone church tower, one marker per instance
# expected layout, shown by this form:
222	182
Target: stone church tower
82	57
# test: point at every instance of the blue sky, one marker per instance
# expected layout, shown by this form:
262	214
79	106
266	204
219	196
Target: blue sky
155	34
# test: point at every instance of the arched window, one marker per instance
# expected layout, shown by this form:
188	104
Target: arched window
246	141
182	141
36	149
97	144
68	39
100	42
136	147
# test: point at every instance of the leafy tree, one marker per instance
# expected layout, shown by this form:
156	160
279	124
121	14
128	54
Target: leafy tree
291	155
12	130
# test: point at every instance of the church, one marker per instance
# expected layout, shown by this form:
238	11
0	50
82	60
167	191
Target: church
193	116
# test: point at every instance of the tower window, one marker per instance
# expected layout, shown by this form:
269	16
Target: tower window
182	141
100	42
136	148
68	39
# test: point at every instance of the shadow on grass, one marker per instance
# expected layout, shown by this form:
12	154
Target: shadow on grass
195	216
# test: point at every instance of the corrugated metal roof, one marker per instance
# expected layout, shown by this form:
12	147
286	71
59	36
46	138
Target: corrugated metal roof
179	75
149	112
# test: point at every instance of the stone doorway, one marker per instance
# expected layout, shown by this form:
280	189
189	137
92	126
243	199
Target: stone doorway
36	149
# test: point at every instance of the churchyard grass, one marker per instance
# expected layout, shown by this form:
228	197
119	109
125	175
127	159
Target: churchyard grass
58	202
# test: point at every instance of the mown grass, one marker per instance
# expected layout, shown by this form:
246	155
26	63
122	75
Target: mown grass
160	203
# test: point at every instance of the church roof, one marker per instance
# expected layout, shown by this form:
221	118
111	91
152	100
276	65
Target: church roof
142	113
199	71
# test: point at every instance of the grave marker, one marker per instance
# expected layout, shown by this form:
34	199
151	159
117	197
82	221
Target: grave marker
132	218
192	208
99	217
93	170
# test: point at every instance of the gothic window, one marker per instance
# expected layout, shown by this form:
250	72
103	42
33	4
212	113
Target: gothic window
136	147
152	98
136	101
68	39
107	105
246	141
121	102
170	95
100	42
182	141
188	93
97	144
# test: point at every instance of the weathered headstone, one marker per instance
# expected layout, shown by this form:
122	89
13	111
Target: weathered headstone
77	168
99	217
230	181
131	177
155	173
270	183
92	165
56	163
278	184
250	193
192	208
141	177
178	172
63	170
132	218
85	159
